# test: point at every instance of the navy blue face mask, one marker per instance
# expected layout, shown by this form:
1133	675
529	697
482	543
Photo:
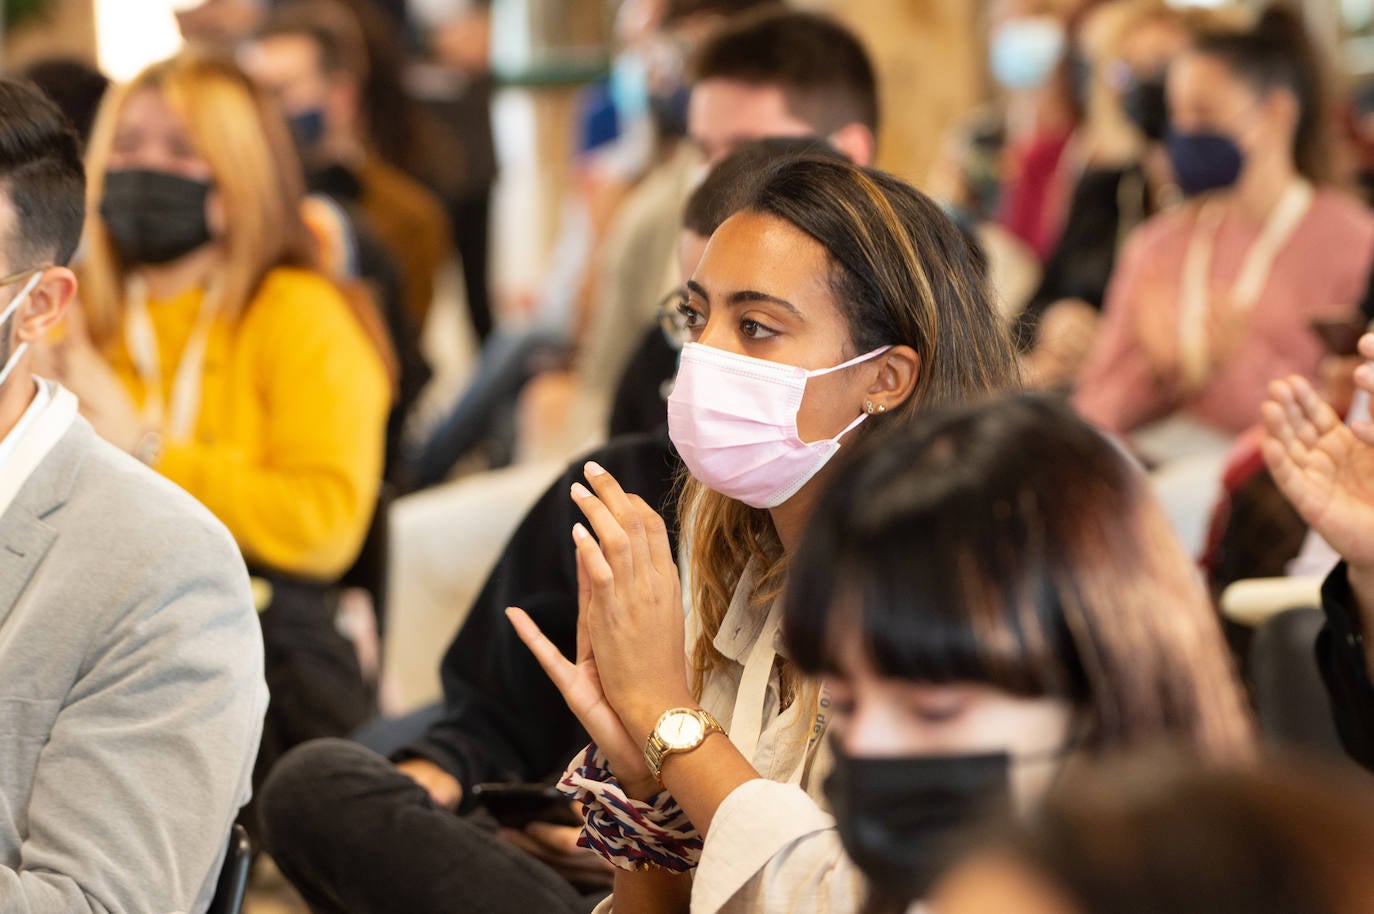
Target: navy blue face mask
1204	161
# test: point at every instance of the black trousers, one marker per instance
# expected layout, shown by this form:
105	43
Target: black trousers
314	684
355	835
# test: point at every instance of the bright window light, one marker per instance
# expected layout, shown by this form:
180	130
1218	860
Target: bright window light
130	34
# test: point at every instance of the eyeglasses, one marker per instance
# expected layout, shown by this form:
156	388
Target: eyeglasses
22	274
672	321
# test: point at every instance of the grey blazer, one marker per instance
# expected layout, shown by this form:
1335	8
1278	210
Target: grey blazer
131	688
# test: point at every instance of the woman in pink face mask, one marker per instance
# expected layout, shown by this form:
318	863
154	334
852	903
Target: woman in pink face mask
835	301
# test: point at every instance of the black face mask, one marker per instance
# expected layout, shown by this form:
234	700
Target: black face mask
154	217
1147	105
896	816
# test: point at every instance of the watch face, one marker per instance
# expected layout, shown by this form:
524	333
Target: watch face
681	730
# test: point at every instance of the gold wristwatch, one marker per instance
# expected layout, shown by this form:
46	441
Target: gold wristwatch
678	730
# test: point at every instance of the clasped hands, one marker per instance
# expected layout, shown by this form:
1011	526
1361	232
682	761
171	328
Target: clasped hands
631	663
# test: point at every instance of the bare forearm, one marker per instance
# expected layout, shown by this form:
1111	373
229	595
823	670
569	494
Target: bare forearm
1362	586
700	780
652	892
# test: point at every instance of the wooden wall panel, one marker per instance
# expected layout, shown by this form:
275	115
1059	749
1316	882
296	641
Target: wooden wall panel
68	30
928	55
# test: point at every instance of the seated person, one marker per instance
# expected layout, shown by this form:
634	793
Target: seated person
1211	300
1074	628
315	55
1149	836
131	664
298	56
209	346
1126	47
1325	468
806	312
315	799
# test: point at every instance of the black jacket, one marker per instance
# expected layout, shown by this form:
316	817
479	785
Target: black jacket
1341	656
503	719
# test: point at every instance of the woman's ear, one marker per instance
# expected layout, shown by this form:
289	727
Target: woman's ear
899	369
47	304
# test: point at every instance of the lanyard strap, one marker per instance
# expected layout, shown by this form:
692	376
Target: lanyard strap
1196	292
746	721
175	417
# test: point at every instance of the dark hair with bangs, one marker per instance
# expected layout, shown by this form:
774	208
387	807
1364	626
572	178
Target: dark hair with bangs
1009	543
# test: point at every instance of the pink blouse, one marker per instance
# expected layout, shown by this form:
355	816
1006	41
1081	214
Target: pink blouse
1322	271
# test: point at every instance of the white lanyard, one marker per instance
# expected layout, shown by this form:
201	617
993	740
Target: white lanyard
175	417
746	721
1195	299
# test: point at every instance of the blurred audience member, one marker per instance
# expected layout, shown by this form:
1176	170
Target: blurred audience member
314	56
1125	48
1211	300
780	74
76	87
132	662
298	57
212	351
1032	56
1326	470
978	634
1146	836
457	89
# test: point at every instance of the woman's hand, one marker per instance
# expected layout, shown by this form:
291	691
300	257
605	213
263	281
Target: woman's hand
636	623
556	845
1324	468
1065	337
442	787
579	682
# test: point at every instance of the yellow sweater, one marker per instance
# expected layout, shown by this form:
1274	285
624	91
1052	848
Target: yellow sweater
287	449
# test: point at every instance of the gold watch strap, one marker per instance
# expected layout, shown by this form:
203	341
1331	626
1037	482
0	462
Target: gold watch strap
656	751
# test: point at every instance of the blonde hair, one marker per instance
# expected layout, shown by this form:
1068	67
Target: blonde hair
902	274
238	131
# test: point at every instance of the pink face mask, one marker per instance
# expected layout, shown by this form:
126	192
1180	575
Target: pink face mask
733	419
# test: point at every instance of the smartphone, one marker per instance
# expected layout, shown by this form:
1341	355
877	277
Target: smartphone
1340	336
516	805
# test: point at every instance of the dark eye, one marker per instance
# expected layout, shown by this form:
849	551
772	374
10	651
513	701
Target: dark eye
692	319
754	330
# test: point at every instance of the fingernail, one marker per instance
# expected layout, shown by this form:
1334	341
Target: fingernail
580	491
594	469
580	532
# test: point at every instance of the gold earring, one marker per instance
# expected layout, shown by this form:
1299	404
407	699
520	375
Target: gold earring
868	407
882	408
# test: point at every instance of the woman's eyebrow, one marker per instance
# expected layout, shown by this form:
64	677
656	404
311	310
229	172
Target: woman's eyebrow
747	296
744	297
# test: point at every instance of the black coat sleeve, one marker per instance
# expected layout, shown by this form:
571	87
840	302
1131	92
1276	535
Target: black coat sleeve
1341	656
503	718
